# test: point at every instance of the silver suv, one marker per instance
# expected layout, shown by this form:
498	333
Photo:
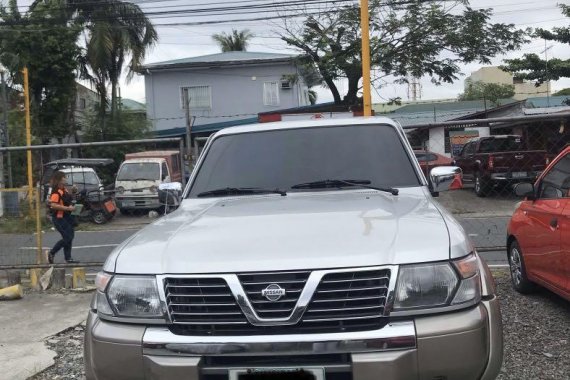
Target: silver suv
303	250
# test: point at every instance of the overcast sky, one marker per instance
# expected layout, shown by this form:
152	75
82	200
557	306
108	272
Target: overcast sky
187	41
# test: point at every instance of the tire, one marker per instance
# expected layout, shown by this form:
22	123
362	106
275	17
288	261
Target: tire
99	217
481	186
519	279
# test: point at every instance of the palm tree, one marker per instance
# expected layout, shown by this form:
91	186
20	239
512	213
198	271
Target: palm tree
118	37
235	41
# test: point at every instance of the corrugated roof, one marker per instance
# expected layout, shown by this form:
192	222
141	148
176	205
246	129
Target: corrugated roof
543	101
132	105
472	105
229	57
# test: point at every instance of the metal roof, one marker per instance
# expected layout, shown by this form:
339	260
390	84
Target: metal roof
229	58
81	162
543	101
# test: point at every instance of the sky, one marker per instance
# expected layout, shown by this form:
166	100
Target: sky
183	41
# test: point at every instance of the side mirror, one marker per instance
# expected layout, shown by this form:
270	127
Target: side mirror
443	177
525	190
170	194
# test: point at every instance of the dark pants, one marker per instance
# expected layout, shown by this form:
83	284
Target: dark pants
65	227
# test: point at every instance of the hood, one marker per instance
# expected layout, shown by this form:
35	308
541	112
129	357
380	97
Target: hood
298	231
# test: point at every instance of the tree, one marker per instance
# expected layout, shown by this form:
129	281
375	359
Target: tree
532	67
51	60
563	92
408	38
118	36
235	41
492	92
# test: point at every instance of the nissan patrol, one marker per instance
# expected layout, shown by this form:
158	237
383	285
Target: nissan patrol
302	250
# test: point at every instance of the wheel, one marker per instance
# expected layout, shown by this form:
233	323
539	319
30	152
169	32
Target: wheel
98	217
481	186
520	281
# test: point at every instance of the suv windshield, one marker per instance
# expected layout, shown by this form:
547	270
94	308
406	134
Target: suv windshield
139	171
501	144
285	158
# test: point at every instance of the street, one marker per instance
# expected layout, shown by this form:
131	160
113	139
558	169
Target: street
95	246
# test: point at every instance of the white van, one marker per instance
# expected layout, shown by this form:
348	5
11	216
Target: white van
137	182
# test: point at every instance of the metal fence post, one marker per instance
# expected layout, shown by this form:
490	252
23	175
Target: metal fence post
39	256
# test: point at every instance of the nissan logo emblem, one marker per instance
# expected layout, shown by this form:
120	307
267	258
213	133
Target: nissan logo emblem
273	292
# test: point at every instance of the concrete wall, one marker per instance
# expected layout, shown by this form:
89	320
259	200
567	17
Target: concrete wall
493	74
237	93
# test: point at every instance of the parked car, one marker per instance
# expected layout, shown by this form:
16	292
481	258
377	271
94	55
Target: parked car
429	160
494	160
539	231
140	176
295	251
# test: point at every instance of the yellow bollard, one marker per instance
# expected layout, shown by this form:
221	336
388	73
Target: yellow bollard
78	278
35	275
12	293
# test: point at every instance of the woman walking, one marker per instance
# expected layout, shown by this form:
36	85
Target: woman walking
60	204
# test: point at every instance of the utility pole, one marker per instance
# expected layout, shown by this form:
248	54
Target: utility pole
364	27
28	138
188	124
546	48
5	107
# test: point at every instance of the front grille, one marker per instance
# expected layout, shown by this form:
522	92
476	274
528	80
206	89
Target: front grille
292	282
342	302
202	303
349	296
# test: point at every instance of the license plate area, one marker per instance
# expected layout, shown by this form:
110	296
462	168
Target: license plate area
519	174
128	203
272	373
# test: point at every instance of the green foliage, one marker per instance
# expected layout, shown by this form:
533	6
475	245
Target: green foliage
235	41
415	38
51	59
563	92
118	37
492	92
534	68
124	126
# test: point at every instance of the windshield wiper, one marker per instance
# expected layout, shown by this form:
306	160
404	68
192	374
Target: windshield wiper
343	183
240	191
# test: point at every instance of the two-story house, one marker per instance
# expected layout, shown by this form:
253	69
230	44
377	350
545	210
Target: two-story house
222	90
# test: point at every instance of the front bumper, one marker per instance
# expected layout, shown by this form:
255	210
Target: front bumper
510	178
461	345
135	203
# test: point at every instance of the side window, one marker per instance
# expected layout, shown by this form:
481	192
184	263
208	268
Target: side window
164	171
467	149
556	183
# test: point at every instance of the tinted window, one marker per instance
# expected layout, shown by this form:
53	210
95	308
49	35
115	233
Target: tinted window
281	159
556	183
141	171
468	149
503	144
164	171
426	157
87	178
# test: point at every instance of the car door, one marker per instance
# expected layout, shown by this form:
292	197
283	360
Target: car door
541	238
563	274
465	160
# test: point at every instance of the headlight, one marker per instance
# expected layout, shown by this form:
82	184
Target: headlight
128	296
120	190
153	189
432	286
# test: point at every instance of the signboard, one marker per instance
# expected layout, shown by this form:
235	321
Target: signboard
458	139
317	116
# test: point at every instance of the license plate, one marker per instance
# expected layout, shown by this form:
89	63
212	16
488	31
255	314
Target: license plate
272	373
128	203
519	174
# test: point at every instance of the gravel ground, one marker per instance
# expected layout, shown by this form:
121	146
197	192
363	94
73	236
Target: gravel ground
536	329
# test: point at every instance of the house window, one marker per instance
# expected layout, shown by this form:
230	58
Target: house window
82	103
198	97
271	93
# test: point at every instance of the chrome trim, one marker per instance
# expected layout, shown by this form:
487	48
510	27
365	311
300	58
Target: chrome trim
436	310
300	307
394	336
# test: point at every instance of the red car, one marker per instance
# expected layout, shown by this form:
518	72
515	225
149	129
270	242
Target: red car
538	242
429	160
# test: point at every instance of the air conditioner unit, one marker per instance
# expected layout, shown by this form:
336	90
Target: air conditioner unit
285	84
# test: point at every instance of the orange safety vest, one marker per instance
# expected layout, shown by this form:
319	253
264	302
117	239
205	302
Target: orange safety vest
57	197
